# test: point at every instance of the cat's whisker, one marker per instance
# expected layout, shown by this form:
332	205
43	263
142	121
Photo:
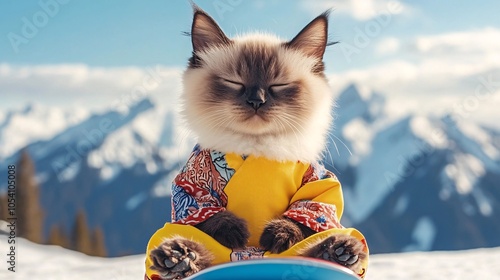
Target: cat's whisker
284	130
220	122
293	124
282	127
329	152
214	122
342	142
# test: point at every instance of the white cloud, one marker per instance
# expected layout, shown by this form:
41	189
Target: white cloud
358	9
463	53
445	71
388	45
79	84
474	41
451	72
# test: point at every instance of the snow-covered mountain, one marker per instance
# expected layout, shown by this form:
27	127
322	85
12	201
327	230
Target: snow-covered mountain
115	165
410	183
418	182
19	128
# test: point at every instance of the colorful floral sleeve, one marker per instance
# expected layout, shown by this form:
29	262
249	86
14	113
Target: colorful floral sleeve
318	204
197	191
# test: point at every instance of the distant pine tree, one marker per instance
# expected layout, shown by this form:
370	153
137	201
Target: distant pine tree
28	210
81	235
58	237
99	248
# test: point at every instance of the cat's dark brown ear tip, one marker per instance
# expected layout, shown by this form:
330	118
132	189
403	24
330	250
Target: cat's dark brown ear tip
322	20
197	10
326	14
313	38
205	33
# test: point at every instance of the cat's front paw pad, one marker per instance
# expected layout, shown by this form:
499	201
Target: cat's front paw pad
179	258
342	249
279	235
341	255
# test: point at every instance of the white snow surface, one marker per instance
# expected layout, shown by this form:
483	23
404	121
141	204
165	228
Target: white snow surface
44	262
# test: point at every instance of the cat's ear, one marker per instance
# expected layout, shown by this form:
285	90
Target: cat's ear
205	32
313	39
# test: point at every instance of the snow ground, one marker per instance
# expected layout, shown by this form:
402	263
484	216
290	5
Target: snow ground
43	262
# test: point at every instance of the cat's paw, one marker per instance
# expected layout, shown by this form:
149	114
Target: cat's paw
178	258
342	249
279	235
227	228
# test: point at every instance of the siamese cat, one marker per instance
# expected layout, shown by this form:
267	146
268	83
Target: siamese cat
261	109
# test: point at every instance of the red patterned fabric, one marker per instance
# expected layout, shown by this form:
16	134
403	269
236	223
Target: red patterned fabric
317	172
198	191
315	215
200	215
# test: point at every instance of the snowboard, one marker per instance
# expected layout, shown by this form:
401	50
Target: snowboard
293	268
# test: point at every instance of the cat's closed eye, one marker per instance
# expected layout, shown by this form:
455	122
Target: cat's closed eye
276	88
237	86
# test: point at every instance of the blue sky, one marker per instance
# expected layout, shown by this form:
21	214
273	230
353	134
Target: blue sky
90	53
133	32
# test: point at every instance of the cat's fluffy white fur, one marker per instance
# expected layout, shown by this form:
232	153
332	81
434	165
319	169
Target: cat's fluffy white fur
305	144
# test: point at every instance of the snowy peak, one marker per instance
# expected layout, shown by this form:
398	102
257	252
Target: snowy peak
63	151
472	139
148	140
387	153
422	175
391	149
35	123
355	102
89	134
355	114
351	94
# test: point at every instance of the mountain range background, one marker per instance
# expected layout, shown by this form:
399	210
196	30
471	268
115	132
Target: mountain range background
412	182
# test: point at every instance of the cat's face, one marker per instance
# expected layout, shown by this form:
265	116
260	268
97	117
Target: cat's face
255	85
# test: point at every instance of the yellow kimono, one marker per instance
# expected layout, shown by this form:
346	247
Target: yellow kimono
256	189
